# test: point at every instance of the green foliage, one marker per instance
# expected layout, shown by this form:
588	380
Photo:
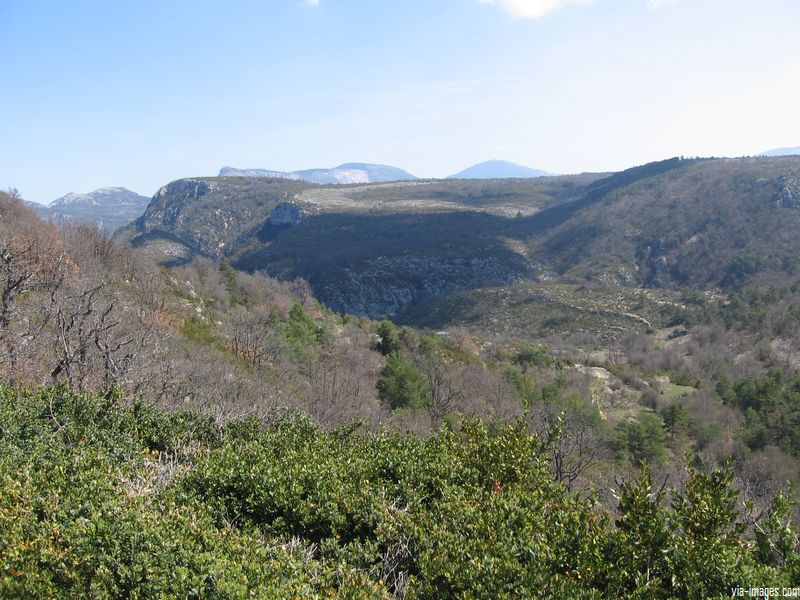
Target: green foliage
401	384
86	510
101	498
777	543
705	510
676	418
229	277
455	512
641	536
519	381
643	439
532	356
388	337
771	405
301	331
196	329
690	549
546	393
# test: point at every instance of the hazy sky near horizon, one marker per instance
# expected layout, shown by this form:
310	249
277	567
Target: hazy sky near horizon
137	94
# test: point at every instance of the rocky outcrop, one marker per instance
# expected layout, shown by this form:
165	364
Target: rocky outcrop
207	216
286	213
168	205
790	192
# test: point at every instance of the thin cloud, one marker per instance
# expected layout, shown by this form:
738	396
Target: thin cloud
312	2
532	9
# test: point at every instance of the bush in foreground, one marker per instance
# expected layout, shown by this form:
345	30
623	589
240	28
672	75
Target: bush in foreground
101	498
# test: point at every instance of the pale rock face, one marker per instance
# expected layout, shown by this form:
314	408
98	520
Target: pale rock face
233	172
286	213
349	176
790	192
661	264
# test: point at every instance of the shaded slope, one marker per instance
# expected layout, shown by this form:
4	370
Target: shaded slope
376	264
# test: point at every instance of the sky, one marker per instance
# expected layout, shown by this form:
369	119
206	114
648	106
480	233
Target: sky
137	94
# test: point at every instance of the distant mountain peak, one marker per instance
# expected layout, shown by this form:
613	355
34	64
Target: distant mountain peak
101	196
782	152
344	173
108	207
498	169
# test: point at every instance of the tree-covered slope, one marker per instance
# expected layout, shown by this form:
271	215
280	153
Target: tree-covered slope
718	223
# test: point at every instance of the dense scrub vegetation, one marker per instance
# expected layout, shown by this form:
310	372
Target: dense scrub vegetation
101	497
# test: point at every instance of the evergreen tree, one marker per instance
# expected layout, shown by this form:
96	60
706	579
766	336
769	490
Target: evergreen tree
389	338
401	384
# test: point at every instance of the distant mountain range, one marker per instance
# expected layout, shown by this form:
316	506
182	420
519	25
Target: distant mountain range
345	173
782	152
370	173
498	169
110	208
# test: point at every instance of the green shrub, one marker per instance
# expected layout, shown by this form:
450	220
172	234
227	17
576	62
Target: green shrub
196	329
643	439
301	331
100	497
401	385
388	338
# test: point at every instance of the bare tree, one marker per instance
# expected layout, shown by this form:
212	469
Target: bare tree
488	394
31	259
443	392
339	389
571	441
91	346
253	340
301	289
88	245
461	339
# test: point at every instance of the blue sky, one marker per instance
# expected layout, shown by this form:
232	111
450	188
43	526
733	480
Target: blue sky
137	94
